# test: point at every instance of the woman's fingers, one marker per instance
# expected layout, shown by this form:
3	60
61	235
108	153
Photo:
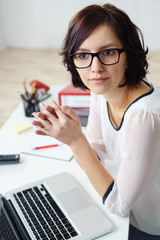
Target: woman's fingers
70	113
40	115
58	122
64	111
51	112
37	124
39	132
49	109
42	121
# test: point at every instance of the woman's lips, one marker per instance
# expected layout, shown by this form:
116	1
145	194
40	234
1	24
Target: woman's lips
98	80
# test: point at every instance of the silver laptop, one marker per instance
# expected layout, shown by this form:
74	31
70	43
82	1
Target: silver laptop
54	208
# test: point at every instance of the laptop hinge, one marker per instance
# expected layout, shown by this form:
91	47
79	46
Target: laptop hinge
15	219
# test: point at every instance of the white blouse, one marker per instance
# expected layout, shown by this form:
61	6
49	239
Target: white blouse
135	148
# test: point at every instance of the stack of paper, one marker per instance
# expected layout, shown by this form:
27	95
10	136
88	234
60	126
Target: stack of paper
77	99
74	97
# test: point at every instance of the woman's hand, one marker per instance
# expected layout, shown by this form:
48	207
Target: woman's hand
63	124
58	122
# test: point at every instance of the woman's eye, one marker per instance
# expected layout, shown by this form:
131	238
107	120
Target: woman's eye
109	52
83	56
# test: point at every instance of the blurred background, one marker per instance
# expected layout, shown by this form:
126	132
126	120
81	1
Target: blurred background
32	32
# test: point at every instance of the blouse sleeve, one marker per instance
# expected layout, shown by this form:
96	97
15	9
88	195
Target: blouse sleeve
94	131
140	154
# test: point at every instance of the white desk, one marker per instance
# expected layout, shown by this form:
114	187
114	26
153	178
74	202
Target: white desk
32	168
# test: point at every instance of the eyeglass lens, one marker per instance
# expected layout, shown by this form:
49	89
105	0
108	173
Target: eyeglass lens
108	57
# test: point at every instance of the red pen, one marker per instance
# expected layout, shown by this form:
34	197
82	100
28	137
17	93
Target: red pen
48	146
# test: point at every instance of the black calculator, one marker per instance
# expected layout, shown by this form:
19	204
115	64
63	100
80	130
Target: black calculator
9	158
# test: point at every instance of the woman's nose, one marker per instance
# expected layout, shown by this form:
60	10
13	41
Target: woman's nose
96	65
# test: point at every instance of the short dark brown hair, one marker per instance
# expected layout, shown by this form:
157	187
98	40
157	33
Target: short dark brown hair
90	17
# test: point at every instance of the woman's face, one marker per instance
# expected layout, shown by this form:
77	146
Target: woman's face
99	78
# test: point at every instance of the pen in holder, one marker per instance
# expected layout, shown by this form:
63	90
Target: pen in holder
32	99
30	106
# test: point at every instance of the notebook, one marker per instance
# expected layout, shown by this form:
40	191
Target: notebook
28	145
61	152
54	208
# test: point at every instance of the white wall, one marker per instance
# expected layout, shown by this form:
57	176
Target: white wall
43	23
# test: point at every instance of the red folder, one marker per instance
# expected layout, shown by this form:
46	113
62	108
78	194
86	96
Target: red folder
74	97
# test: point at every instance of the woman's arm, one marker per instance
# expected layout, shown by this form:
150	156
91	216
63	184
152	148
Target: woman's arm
64	125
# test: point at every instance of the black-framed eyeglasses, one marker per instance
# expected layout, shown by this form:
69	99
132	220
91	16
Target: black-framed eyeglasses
106	57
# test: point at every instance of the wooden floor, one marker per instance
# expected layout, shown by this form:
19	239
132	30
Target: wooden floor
19	64
44	65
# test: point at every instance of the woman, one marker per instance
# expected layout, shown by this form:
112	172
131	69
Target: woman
104	52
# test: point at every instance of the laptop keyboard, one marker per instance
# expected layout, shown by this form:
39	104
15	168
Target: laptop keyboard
45	218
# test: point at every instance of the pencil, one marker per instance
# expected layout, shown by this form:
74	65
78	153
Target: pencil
48	146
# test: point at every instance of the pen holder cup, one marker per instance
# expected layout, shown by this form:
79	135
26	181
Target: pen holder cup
30	106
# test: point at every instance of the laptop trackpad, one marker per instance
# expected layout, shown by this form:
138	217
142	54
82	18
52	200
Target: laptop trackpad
74	200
